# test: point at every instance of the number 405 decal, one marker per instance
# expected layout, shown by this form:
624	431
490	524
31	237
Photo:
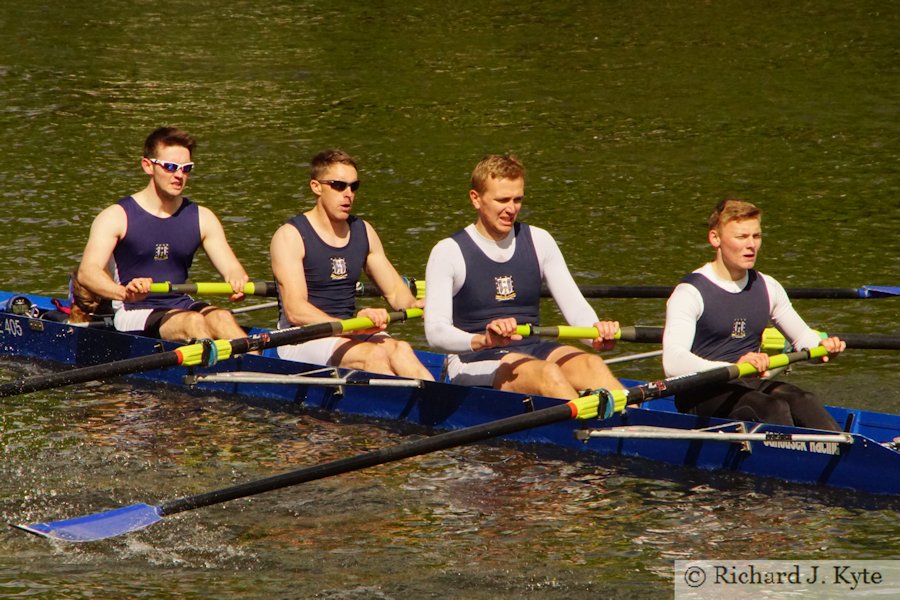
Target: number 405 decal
12	327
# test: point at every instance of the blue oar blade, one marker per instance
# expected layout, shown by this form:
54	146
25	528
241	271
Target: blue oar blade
879	291
99	526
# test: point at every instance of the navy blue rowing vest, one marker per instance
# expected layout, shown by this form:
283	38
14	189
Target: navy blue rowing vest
731	324
161	248
494	290
332	273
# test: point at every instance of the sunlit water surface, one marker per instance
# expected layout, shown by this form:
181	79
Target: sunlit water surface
632	119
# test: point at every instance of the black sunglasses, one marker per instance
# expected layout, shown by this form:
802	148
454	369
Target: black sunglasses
339	186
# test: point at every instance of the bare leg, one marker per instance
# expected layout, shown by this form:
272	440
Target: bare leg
528	375
404	361
221	323
385	355
584	371
183	325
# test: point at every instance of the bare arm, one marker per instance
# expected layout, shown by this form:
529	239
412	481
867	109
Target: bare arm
382	272
107	229
287	252
216	246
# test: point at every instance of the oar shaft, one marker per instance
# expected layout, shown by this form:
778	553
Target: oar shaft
127	519
581	408
193	354
870	341
664	291
370	290
381	456
128	366
773	340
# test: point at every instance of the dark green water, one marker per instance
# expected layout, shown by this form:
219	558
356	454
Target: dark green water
633	119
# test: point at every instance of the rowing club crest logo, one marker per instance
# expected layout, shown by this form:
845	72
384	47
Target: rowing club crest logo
161	252
505	288
338	267
739	329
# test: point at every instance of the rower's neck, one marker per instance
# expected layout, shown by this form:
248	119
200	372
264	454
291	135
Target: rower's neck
160	205
334	232
727	273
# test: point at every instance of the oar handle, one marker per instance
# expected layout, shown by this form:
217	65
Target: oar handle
215	288
562	332
633	333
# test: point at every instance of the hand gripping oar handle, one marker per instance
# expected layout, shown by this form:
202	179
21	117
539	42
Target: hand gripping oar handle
124	520
197	354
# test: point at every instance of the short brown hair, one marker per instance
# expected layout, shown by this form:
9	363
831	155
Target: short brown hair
168	136
324	159
85	304
496	166
732	209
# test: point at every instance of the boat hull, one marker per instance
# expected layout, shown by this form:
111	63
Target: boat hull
866	465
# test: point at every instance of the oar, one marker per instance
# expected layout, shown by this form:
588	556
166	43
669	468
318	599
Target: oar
370	290
200	354
634	333
773	340
124	520
215	288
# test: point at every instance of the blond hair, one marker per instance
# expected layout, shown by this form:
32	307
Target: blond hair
732	209
496	166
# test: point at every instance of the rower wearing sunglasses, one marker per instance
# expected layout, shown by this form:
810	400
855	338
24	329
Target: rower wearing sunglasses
317	259
152	235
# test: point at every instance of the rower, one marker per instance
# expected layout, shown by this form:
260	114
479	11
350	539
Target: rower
717	315
485	280
317	259
153	235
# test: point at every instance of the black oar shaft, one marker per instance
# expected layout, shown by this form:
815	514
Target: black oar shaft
138	364
857	341
173	358
870	341
451	439
642	334
370	290
381	456
664	291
